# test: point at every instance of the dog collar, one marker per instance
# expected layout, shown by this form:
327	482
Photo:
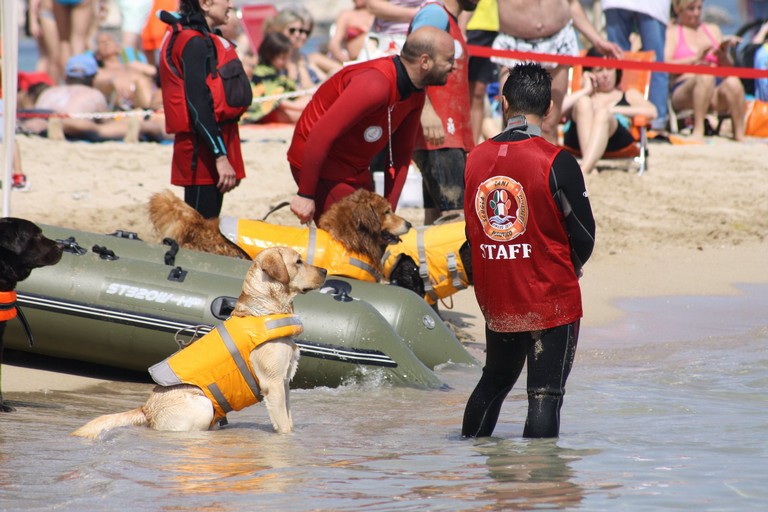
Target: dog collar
7	306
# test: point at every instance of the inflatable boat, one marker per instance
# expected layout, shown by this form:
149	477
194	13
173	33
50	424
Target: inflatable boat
116	300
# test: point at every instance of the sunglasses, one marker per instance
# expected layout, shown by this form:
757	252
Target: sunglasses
293	31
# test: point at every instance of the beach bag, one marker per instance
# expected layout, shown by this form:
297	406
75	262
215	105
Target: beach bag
757	119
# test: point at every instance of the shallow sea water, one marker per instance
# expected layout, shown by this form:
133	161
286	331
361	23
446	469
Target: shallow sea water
666	410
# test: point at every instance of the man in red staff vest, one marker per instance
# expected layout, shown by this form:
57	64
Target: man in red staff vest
530	226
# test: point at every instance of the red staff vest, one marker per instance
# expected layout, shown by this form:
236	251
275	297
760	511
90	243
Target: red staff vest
521	264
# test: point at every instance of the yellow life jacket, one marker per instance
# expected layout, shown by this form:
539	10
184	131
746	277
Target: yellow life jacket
7	306
316	246
435	250
219	363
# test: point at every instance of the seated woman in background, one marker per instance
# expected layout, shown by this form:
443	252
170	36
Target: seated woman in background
270	79
600	114
352	28
306	70
690	41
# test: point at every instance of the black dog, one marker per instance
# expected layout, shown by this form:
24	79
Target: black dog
22	249
405	272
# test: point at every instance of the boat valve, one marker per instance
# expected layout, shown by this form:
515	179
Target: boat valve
71	246
104	253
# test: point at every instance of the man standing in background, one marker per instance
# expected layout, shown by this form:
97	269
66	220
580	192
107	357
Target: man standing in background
649	19
446	137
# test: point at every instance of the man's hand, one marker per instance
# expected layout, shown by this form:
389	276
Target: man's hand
227	180
608	48
432	125
303	208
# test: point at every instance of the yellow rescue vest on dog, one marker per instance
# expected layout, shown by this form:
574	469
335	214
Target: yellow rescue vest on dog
316	246
219	363
435	250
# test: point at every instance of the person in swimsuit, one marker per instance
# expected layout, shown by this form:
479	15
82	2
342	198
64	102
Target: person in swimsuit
547	26
352	27
600	114
689	41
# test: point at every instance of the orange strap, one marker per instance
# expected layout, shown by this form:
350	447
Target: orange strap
7	306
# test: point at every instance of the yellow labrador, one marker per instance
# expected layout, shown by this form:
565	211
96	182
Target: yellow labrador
274	279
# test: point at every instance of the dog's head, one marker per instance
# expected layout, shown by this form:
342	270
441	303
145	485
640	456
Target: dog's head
22	249
274	279
361	218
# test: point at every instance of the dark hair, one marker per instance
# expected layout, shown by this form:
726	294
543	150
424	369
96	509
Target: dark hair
592	52
80	80
528	89
189	6
274	44
413	48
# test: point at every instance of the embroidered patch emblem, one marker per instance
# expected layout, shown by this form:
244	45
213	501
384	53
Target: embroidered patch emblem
372	133
502	208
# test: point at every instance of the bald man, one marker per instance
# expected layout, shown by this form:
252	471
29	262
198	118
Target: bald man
361	110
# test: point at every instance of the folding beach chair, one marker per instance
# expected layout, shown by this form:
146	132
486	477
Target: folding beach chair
252	17
631	79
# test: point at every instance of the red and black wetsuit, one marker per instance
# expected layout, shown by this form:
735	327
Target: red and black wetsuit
348	121
531	228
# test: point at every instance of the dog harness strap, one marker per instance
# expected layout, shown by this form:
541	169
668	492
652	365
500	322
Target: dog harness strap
312	245
423	267
362	265
7	306
220	398
242	365
453	271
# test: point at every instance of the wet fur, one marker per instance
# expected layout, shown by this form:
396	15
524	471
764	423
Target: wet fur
363	222
23	248
274	279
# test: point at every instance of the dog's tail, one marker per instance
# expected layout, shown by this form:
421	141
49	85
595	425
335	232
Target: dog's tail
93	428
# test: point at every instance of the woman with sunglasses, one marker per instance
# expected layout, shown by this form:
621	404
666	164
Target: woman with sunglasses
306	70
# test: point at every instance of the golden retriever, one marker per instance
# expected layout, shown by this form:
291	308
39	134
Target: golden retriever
362	222
173	218
274	279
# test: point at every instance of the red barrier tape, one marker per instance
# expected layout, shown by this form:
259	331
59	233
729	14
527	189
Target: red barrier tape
675	69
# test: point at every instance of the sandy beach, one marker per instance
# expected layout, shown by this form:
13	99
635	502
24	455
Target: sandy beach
694	224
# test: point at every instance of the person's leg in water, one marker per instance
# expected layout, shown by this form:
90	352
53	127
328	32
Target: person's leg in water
550	360
550	356
504	359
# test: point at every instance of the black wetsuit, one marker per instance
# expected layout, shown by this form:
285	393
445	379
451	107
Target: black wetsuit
549	352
